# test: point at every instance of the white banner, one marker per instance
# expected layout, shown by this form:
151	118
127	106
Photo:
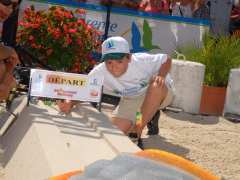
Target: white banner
62	85
144	32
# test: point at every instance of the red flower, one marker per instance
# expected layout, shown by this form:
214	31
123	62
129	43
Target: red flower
67	15
59	35
56	33
31	38
72	30
68	40
49	51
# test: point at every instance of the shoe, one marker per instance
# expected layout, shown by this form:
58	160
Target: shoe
153	124
133	136
140	144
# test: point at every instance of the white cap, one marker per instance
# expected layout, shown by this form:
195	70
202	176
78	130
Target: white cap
115	45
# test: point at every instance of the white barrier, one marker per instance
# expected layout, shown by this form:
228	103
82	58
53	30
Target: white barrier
232	101
188	80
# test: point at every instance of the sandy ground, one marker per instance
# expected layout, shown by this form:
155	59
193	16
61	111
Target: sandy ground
210	142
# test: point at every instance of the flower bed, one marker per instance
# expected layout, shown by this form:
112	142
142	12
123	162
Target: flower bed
59	37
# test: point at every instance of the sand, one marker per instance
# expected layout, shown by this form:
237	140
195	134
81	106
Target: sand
211	142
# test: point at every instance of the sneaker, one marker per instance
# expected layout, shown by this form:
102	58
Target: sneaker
133	136
140	144
153	124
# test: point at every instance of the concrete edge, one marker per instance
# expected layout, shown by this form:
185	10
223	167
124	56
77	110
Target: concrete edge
119	142
12	118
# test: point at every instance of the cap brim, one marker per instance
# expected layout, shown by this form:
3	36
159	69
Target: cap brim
113	56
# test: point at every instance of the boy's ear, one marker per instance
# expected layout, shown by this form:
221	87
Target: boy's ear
129	56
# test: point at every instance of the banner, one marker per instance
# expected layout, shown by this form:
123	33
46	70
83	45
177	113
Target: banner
145	32
62	85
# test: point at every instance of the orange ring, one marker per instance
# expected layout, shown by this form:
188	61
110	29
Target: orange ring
177	161
66	175
160	156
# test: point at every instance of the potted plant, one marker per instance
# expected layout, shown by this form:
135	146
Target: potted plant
219	55
59	38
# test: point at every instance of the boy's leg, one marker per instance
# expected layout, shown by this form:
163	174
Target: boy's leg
155	95
124	116
123	124
152	125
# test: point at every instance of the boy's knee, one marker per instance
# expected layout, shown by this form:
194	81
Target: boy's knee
161	90
122	124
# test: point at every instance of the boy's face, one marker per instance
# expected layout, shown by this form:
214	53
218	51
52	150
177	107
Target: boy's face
117	67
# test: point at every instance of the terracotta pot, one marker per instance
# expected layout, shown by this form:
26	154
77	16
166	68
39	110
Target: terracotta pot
212	101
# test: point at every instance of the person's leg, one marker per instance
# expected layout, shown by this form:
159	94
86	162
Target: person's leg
154	97
123	124
124	116
152	125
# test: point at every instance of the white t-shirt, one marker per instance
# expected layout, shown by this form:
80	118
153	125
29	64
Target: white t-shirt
135	80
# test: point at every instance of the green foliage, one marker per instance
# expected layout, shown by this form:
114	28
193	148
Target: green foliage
59	37
219	55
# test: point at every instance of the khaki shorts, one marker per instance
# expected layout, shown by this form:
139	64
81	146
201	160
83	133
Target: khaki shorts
128	106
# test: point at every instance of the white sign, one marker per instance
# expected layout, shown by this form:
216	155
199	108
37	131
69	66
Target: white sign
69	86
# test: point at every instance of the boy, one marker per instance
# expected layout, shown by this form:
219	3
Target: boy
141	79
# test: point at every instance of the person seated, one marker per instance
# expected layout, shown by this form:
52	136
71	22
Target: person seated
92	1
235	18
133	4
155	6
182	8
201	10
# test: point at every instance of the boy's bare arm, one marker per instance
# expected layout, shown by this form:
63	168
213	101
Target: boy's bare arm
159	80
165	68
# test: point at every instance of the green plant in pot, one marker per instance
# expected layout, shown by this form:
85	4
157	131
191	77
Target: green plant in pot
219	55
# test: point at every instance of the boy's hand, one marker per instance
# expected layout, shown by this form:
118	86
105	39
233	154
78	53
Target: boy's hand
158	81
65	105
139	130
